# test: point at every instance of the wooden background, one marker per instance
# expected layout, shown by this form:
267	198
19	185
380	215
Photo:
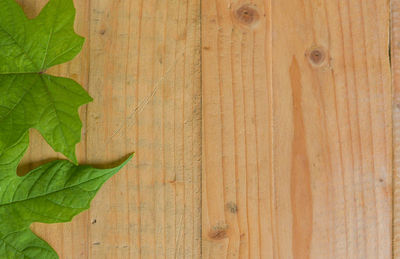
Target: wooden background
141	64
263	129
395	61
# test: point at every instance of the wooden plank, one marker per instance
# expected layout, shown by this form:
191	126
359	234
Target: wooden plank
236	130
141	64
395	61
296	129
340	62
296	125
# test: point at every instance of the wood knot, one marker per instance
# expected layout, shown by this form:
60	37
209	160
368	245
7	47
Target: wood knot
218	232
316	56
232	207
247	15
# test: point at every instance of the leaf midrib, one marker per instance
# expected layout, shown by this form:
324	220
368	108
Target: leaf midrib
20	73
28	91
52	102
20	47
50	193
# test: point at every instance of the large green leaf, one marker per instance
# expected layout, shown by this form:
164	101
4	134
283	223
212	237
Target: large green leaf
54	192
28	97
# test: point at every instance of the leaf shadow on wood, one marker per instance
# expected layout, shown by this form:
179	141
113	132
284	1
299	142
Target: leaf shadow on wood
111	164
25	167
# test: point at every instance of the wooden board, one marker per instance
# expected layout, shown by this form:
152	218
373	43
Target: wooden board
297	143
283	151
141	65
395	61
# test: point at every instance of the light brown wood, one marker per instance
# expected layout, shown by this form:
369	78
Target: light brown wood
237	133
395	61
297	142
141	64
292	138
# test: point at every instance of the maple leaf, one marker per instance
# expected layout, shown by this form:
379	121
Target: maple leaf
29	98
51	193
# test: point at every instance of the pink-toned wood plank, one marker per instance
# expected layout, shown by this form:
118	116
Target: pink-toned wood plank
297	141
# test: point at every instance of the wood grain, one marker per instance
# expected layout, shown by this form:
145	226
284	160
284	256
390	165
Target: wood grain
297	142
141	64
236	130
395	61
291	129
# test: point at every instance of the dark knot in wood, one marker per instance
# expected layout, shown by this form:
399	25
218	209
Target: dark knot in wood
247	15
316	56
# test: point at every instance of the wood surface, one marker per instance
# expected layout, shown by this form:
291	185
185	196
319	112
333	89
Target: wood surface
277	143
141	64
297	143
395	62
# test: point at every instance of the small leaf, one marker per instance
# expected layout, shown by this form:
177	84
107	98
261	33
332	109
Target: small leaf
29	98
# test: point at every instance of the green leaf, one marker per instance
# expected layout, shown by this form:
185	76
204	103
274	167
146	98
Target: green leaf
54	192
30	98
